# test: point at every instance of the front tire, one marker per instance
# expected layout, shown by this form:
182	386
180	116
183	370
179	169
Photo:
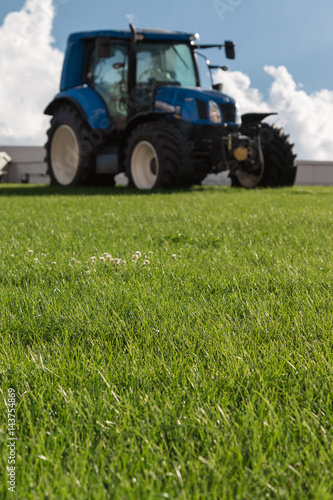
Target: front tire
69	153
279	166
158	156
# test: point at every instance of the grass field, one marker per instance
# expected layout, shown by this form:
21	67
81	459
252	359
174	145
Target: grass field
205	372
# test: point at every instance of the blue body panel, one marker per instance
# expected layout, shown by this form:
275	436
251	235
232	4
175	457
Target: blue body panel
185	99
92	105
72	70
182	99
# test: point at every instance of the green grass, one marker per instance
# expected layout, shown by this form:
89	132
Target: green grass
204	374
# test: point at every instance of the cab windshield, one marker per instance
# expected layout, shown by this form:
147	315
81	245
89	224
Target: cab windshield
170	63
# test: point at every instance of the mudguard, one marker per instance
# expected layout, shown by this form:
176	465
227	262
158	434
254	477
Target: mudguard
89	104
255	117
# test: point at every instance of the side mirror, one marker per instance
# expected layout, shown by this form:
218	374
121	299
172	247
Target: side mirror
229	49
103	48
223	68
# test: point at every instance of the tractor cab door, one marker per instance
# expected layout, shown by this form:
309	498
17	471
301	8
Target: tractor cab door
108	75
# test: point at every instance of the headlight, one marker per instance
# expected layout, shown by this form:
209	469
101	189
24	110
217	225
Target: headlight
238	116
215	115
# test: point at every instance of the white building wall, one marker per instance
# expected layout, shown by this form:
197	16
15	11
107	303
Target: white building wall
314	173
28	165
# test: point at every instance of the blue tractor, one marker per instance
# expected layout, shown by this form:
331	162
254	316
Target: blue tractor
131	101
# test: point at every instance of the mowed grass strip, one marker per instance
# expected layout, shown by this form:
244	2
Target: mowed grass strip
201	369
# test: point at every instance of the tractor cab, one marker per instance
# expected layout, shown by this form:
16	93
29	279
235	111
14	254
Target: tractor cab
128	84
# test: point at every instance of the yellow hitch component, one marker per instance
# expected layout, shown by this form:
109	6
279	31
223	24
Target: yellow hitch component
240	154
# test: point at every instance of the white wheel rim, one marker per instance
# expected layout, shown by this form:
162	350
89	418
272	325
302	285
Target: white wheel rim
144	165
65	155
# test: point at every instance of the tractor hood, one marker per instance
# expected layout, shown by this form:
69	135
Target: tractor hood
196	104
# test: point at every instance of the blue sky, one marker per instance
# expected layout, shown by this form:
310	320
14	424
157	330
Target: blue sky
297	34
283	64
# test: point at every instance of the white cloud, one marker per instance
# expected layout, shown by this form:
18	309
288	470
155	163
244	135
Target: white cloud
238	86
30	73
131	18
306	117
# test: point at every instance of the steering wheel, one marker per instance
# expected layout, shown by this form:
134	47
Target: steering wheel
155	74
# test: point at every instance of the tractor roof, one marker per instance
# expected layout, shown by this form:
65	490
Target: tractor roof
148	34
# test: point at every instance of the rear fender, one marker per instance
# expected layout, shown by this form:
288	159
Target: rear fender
88	103
255	117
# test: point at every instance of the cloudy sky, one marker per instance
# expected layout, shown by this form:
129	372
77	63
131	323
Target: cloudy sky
284	57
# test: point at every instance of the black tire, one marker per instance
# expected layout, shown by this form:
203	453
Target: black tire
159	156
70	154
279	159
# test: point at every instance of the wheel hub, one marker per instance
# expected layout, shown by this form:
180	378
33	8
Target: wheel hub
153	167
144	165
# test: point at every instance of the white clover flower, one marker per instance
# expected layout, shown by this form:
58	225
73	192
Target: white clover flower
146	262
43	254
138	254
36	260
93	258
53	263
150	253
30	252
108	256
123	262
134	257
116	262
174	256
102	259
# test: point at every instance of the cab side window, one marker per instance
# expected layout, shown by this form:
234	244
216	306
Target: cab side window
109	77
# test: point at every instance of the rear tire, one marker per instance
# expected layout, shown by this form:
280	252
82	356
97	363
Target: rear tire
69	153
158	156
279	160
